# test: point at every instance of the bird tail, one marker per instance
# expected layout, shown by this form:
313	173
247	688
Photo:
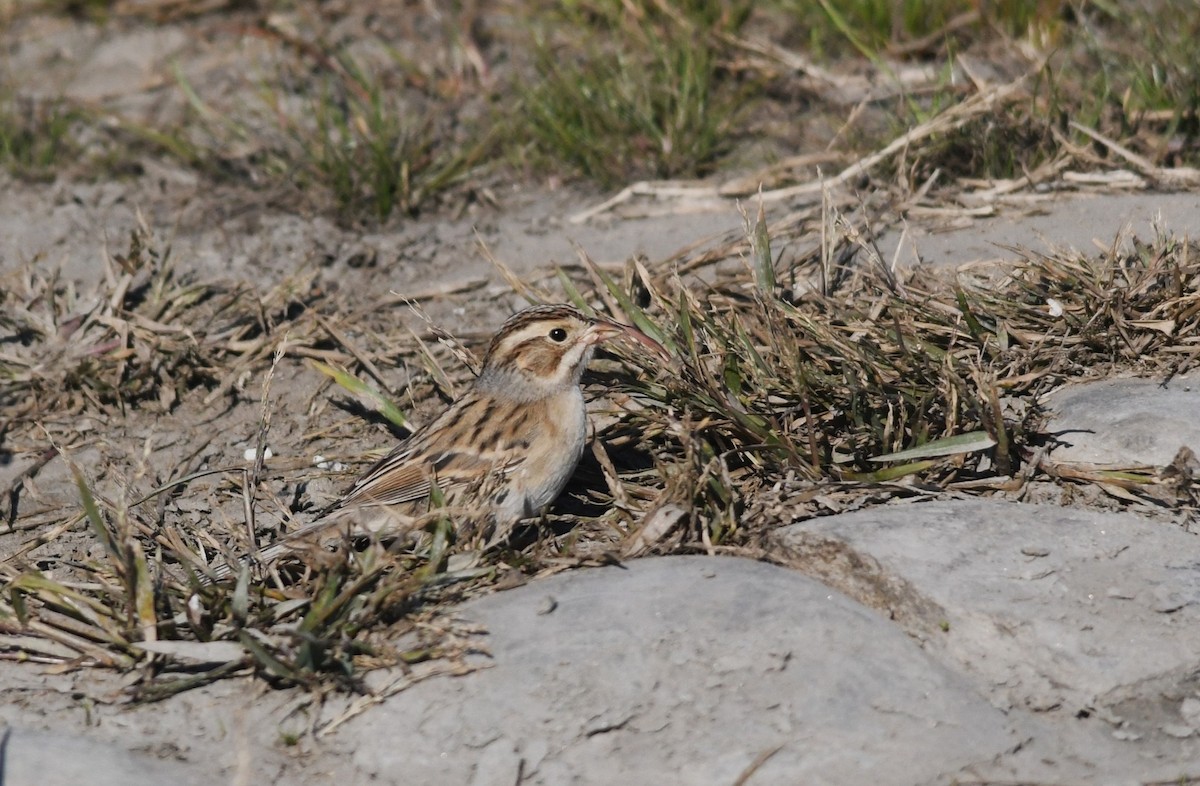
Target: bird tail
323	530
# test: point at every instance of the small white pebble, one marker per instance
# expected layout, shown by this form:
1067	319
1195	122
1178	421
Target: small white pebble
195	610
1056	308
250	454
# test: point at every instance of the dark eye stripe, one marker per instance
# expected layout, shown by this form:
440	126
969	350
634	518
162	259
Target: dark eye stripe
535	314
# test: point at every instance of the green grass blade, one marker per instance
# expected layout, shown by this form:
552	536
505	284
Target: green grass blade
947	446
143	594
93	516
362	389
977	330
760	253
572	291
631	309
889	474
267	659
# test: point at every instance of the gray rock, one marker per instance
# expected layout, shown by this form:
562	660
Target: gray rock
35	758
1079	222
1126	421
1039	631
685	670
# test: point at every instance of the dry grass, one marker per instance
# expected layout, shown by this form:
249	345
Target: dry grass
814	387
647	98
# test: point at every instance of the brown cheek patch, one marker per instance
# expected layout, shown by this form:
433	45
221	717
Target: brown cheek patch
538	359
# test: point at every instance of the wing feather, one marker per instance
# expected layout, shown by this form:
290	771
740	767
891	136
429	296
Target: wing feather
443	453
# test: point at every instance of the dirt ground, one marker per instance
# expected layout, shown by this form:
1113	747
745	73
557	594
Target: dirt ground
341	291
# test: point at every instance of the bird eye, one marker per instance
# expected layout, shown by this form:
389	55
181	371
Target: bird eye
558	334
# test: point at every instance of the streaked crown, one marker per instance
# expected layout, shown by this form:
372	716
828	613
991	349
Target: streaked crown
544	347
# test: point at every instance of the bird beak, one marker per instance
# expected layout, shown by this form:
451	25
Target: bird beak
603	330
600	332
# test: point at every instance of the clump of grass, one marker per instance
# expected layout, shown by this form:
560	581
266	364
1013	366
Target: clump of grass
373	153
350	138
1135	75
158	613
37	138
144	336
1118	73
153	335
831	387
875	28
1146	54
1000	145
647	98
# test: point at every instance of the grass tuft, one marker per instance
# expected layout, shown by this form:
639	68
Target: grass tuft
374	155
350	138
644	95
877	28
37	139
892	369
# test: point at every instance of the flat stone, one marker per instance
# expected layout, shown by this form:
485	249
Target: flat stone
1126	421
685	670
1078	222
1042	632
35	758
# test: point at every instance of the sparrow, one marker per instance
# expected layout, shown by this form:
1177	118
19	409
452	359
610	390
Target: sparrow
505	449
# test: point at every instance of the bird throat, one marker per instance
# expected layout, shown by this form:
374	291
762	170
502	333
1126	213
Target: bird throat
536	373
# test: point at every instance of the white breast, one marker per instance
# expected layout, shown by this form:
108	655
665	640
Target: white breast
554	450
